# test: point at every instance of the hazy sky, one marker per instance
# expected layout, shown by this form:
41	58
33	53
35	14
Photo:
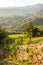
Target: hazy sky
14	3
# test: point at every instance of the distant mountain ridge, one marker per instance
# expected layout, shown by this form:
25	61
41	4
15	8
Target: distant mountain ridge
17	18
31	9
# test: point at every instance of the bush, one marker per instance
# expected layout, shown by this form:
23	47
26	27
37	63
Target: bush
2	63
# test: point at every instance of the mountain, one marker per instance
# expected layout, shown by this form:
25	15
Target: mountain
17	18
31	9
12	23
40	12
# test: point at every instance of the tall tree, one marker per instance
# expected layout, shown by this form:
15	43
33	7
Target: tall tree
29	30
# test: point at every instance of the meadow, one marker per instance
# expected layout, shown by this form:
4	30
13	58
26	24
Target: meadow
17	35
26	39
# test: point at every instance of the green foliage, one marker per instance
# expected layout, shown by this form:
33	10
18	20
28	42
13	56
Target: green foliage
3	34
30	27
3	37
29	30
35	32
2	63
5	43
19	41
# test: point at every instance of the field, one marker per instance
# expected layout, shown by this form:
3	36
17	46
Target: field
26	39
17	35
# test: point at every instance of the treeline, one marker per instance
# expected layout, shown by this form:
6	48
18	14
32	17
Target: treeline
34	31
37	33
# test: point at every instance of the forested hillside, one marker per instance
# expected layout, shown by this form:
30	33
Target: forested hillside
16	18
20	22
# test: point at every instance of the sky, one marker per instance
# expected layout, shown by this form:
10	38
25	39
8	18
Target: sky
18	3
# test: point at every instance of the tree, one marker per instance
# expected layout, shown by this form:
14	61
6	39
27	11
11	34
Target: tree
5	42
29	30
3	35
35	32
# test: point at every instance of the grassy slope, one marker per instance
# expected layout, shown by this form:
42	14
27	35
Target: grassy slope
17	35
26	39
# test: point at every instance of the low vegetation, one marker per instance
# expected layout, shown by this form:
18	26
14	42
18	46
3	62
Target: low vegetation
21	49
